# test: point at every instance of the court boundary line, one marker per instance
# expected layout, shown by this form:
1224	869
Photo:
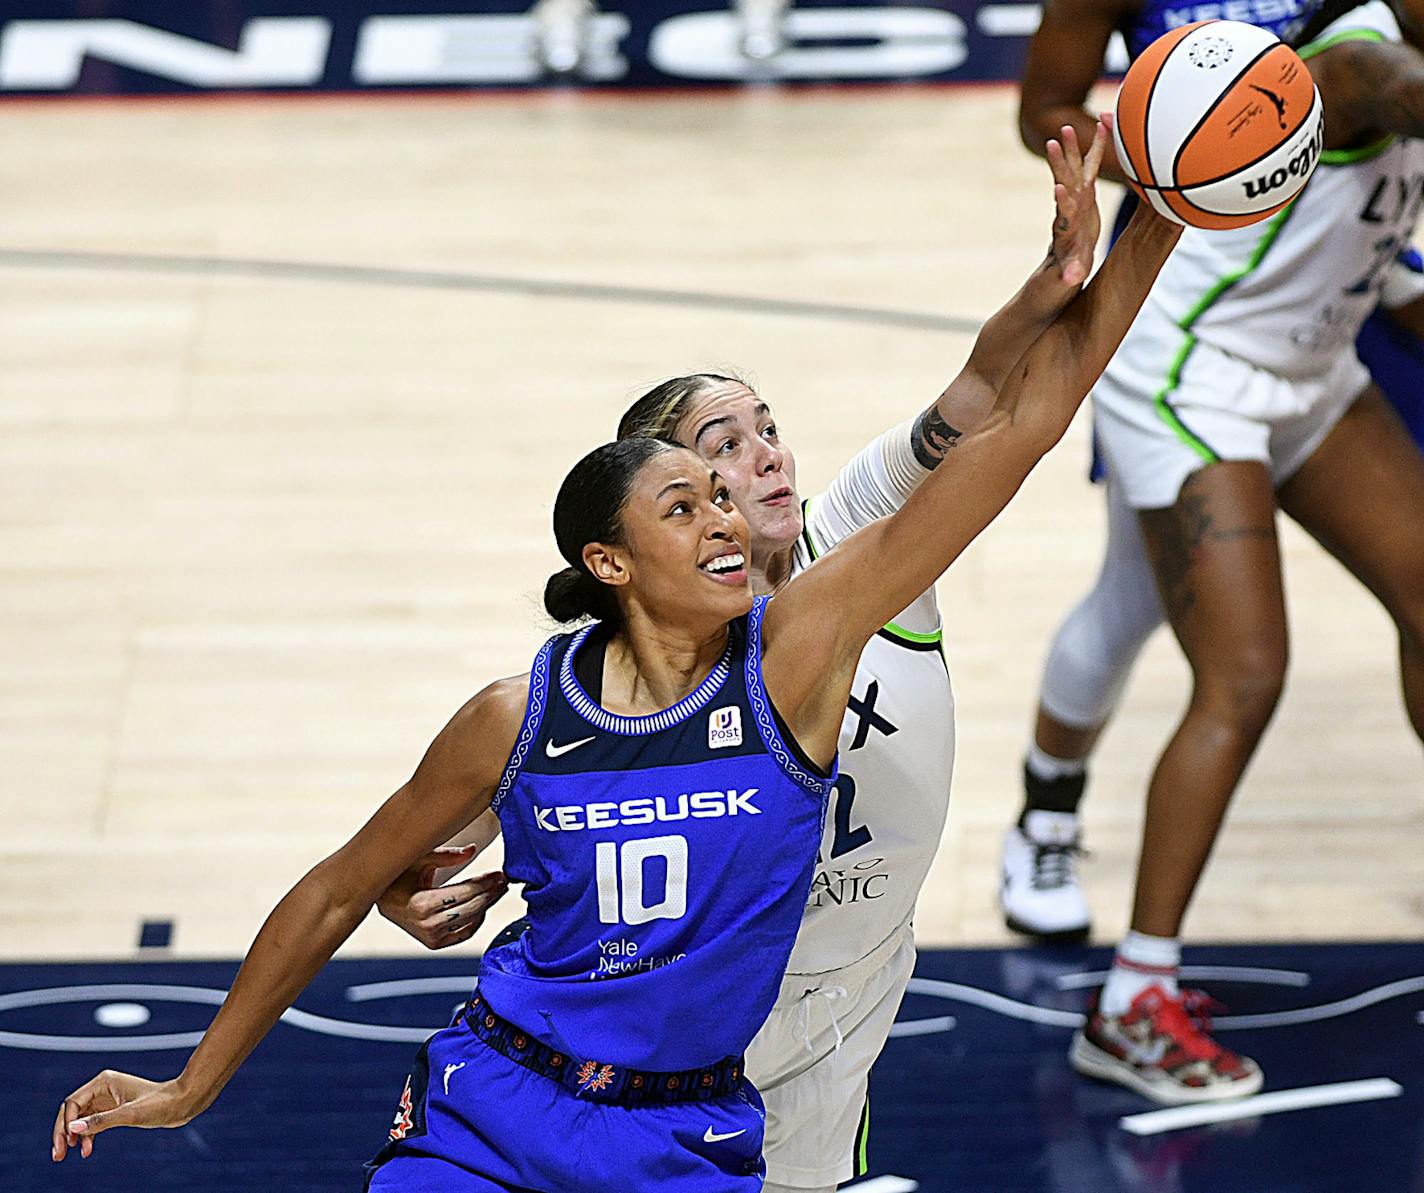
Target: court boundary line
1175	1118
755	90
479	283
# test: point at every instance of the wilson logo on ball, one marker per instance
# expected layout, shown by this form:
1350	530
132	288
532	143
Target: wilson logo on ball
1298	168
1218	125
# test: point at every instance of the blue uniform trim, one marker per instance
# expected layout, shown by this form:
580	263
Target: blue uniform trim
533	717
599	717
766	722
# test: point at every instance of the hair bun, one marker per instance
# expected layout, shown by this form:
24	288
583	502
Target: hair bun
572	594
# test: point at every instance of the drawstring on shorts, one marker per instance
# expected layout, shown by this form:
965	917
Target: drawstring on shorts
831	994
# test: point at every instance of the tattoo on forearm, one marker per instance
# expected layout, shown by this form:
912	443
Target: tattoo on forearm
931	437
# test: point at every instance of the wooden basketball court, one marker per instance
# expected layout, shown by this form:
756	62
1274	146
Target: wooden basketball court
286	387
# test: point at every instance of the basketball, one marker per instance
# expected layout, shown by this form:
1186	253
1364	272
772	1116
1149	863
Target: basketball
1219	124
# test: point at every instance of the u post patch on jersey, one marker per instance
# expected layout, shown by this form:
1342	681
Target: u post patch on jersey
724	728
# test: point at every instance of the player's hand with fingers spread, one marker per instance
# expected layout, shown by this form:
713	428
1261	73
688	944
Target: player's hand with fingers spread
1076	223
441	916
116	1100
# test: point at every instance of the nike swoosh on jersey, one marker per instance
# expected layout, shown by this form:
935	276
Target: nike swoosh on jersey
554	751
713	1137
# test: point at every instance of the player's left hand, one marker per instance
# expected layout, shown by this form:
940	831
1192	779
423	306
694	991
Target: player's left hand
1076	223
116	1100
441	916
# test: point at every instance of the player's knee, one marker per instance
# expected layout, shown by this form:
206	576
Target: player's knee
1243	691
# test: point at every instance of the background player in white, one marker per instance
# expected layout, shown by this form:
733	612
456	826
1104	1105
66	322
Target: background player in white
1237	390
855	951
1093	649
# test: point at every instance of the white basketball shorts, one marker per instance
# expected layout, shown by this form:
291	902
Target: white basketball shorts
1166	407
811	1062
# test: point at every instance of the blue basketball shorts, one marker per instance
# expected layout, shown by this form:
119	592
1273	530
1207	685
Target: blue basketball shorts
1395	360
472	1121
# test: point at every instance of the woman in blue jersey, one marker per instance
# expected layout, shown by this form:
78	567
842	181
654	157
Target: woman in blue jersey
854	953
665	833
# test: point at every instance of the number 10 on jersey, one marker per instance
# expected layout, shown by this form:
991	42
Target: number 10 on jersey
620	870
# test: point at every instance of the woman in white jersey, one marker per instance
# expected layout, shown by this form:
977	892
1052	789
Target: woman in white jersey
855	951
1236	392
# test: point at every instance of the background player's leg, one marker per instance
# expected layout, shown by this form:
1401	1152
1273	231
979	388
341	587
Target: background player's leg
1361	494
1093	651
1216	559
1088	664
1217	563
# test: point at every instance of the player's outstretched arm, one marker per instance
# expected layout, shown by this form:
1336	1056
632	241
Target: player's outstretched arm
1040	300
452	785
1065	60
817	627
1369	89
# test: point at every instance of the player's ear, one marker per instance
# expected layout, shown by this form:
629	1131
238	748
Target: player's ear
607	562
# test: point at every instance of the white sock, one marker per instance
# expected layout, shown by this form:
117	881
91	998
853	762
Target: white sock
1141	961
1046	767
1050	828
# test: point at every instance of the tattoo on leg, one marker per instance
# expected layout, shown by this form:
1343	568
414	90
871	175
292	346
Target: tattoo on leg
1175	536
1172	545
931	437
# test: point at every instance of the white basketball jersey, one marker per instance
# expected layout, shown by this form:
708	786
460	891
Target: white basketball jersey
1290	294
896	744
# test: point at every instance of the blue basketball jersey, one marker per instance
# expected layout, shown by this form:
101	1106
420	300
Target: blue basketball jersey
665	859
1157	17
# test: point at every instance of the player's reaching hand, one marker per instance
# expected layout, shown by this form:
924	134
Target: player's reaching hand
1054	283
1076	224
116	1100
439	916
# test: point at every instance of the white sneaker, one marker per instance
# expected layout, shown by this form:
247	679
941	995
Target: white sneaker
1039	890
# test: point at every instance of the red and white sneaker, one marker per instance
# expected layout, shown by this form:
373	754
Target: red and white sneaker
1159	1047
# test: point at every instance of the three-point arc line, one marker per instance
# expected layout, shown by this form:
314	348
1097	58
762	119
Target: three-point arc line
1175	1118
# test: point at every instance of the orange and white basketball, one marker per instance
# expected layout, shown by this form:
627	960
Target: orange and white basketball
1219	124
